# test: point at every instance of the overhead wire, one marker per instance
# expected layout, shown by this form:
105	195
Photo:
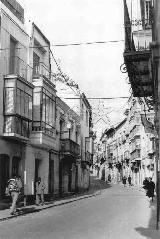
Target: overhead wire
99	98
70	44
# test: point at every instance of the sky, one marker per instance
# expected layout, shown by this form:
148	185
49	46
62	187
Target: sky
96	68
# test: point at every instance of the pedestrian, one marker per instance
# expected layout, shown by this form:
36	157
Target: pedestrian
14	189
129	181
98	169
145	184
39	192
109	178
150	189
124	179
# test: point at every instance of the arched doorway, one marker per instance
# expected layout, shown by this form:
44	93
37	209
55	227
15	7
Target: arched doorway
4	173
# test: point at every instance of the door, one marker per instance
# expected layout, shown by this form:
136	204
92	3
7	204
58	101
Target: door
16	166
36	63
37	165
4	173
51	176
70	177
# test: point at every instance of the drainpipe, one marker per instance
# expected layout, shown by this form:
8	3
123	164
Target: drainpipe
155	46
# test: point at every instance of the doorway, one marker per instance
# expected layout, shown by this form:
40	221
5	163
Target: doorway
16	161
51	176
37	166
4	173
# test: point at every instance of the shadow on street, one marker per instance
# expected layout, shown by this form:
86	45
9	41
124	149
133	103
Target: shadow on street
150	232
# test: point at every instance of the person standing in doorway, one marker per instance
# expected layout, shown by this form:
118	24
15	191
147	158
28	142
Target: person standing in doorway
39	192
14	189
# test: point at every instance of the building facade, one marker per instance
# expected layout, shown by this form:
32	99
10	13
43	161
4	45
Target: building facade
68	138
40	135
130	146
15	86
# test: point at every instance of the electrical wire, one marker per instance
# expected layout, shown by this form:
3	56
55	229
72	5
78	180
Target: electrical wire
69	44
88	43
99	98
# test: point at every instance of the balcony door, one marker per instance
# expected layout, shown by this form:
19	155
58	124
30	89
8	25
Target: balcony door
36	63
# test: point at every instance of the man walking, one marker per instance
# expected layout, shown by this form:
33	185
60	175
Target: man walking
14	188
39	192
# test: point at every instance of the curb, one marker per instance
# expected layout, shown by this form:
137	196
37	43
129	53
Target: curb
40	209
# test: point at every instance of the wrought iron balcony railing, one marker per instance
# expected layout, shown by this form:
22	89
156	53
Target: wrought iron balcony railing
137	66
69	147
16	66
138	35
39	126
40	69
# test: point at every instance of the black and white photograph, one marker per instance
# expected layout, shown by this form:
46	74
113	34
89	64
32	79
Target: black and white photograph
79	119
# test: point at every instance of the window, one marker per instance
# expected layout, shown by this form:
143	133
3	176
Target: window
17	106
82	113
76	137
17	125
44	119
36	62
9	100
148	13
12	64
86	117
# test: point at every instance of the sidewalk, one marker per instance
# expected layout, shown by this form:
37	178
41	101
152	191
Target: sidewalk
95	189
22	211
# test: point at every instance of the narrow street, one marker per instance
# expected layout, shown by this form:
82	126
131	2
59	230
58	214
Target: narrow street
114	212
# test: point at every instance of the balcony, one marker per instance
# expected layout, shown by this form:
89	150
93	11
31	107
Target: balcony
19	68
42	139
136	155
43	135
137	66
89	158
41	70
138	35
69	147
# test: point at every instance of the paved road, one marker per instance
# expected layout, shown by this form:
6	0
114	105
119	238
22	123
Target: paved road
116	213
